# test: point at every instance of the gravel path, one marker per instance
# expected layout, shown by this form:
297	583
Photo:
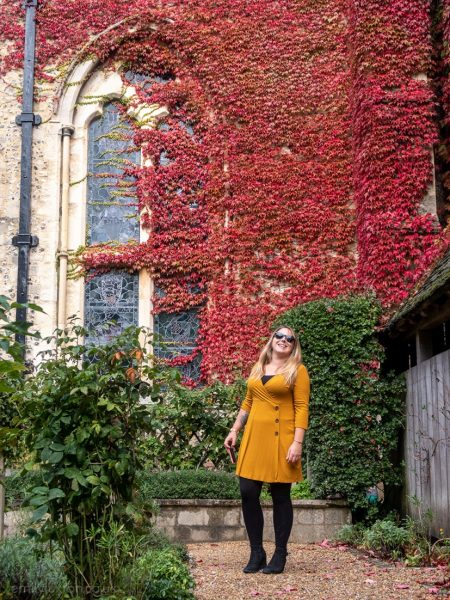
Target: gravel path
314	571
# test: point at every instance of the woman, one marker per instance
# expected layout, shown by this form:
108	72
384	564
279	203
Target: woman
275	416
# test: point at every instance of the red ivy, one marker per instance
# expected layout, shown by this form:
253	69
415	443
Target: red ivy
311	131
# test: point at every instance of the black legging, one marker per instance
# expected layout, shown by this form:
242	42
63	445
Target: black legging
253	514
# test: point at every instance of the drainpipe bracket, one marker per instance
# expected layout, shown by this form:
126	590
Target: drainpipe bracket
28	118
25	239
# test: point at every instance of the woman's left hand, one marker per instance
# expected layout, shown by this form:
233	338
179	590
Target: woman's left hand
294	453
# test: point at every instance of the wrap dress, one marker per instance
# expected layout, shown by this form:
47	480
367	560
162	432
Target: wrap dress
275	410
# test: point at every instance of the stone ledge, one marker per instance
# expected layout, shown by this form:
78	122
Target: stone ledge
230	502
207	520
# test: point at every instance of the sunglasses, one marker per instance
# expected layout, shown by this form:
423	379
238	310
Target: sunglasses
289	338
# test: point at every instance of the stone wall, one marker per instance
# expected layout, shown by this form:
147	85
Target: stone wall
45	200
221	520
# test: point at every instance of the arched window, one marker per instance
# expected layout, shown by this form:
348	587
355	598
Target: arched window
111	216
111	202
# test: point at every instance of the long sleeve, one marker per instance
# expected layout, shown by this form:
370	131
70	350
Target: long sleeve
301	397
248	400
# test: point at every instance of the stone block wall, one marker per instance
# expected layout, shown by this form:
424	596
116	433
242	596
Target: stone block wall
221	520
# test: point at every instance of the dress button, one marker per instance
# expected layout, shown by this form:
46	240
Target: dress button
276	407
277	420
276	432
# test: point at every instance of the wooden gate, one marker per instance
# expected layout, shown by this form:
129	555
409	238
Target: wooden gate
427	441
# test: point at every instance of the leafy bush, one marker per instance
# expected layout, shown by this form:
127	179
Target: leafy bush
84	418
11	371
351	534
301	491
356	409
27	571
198	483
189	426
159	574
19	485
393	538
386	537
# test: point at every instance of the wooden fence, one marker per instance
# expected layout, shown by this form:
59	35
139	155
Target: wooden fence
427	441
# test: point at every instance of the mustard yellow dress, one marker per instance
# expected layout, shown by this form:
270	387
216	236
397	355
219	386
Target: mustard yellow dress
275	410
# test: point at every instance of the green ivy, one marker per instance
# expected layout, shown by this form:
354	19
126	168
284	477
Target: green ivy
357	410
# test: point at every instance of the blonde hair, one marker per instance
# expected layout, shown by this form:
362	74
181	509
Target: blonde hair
290	368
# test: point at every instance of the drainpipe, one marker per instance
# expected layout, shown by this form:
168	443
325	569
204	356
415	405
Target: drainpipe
27	119
66	133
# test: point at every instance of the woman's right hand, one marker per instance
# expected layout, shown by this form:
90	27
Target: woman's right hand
230	440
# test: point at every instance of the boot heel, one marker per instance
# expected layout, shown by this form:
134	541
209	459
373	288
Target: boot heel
257	561
277	563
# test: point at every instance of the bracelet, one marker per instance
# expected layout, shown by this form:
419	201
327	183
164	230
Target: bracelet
301	443
235	430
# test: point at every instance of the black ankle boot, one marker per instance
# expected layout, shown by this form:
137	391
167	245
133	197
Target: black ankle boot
258	560
277	562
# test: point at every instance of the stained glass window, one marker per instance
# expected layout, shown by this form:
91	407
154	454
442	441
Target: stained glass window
110	298
177	336
111	205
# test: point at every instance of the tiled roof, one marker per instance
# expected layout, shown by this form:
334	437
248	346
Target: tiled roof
438	278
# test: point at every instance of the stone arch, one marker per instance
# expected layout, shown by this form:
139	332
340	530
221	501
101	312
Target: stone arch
87	89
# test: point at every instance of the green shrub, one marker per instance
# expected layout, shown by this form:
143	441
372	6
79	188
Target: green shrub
198	483
392	538
155	539
83	420
11	375
191	426
351	534
18	486
356	409
301	491
159	574
27	571
386	537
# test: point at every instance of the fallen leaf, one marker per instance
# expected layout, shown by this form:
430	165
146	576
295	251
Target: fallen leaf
255	593
401	586
433	590
289	588
370	581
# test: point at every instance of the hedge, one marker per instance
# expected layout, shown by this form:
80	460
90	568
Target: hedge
357	410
